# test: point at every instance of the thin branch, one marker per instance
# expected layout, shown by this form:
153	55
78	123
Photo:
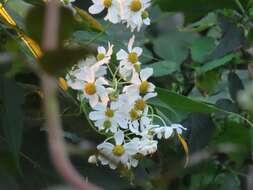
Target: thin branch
56	141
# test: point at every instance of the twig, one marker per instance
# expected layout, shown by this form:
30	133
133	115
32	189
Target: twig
56	142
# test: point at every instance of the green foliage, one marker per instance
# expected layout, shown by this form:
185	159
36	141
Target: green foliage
11	114
195	9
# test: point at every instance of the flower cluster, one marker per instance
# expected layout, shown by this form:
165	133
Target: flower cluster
118	93
118	96
131	12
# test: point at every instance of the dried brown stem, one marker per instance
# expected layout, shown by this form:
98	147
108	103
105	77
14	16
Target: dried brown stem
56	141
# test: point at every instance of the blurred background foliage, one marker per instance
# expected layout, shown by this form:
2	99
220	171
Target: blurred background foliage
201	53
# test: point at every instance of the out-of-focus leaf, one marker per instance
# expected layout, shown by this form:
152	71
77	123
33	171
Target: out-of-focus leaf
35	2
215	63
208	21
195	9
200	130
35	23
202	48
207	82
11	114
183	103
174	46
233	38
56	62
227	181
163	68
235	85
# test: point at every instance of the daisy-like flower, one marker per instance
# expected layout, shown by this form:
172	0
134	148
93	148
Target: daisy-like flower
140	84
107	118
129	61
120	152
112	6
147	146
136	14
103	56
92	88
167	131
90	61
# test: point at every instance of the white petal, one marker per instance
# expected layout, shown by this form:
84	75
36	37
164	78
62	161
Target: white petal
151	87
130	44
131	148
119	137
146	73
96	8
121	55
147	21
138	51
105	145
149	96
102	50
93	100
96	115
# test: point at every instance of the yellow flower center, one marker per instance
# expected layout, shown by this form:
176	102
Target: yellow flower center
140	104
109	112
133	57
118	150
100	56
144	87
144	14
90	88
136	5
107	124
107	3
133	114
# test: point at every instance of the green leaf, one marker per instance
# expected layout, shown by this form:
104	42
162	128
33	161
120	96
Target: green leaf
11	120
207	82
163	68
174	46
35	23
234	85
182	103
200	130
232	39
216	63
56	62
202	48
195	9
35	2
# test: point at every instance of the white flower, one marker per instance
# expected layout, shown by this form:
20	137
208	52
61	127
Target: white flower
90	61
112	6
129	61
91	88
136	14
103	56
147	146
167	131
107	118
120	152
140	85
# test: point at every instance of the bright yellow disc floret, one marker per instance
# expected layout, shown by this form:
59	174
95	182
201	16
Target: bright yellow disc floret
90	88
107	3
135	5
133	57
118	150
109	112
100	56
144	87
140	104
